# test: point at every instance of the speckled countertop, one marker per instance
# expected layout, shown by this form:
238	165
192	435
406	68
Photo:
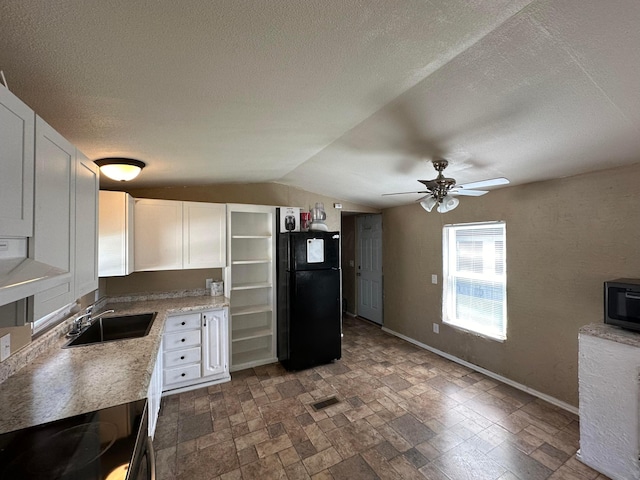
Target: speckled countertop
610	332
63	382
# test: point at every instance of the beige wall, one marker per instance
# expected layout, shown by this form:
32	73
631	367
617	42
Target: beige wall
564	239
255	193
258	194
348	239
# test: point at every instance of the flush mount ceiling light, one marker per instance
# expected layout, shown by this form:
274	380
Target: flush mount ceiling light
120	169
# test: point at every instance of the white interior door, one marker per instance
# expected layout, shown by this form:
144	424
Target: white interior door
370	267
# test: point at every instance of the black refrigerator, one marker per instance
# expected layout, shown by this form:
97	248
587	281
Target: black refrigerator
309	308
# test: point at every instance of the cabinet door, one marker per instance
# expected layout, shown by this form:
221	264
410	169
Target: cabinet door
154	394
115	245
87	187
204	228
53	239
157	235
214	343
16	166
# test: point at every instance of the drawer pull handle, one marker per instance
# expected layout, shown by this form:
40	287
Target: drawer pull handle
182	375
182	357
183	340
183	323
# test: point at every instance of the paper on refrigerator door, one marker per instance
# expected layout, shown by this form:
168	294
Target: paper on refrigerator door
315	250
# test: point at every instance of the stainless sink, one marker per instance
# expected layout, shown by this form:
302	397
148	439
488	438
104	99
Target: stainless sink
110	329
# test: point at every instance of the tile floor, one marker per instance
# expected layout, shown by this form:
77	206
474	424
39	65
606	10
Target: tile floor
403	413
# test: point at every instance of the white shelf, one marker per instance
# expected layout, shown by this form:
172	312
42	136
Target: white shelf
251	236
249	333
251	230
251	358
250	286
251	262
238	311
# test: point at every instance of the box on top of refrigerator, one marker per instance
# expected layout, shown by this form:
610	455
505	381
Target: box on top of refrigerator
289	219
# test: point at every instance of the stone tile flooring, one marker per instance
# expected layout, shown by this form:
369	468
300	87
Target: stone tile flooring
403	413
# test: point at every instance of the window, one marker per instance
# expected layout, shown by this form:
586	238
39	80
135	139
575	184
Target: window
475	278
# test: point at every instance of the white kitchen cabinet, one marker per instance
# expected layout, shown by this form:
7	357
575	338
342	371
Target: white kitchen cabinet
17	123
250	284
53	240
195	351
115	244
172	235
154	395
86	225
204	235
215	339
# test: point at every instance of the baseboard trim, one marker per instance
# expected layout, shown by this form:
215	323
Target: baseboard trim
350	314
488	373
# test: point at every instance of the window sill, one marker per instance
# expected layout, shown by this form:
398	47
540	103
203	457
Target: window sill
475	332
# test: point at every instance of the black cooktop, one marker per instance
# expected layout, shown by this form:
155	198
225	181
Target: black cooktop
92	446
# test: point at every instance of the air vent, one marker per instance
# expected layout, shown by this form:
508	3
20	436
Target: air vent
325	403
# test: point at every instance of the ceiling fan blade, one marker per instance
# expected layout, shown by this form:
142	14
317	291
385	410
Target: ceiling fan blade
484	183
400	193
468	193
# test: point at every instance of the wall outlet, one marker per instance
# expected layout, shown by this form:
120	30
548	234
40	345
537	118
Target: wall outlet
434	279
5	347
207	283
436	328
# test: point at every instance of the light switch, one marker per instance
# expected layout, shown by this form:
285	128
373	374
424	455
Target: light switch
351	264
434	279
5	347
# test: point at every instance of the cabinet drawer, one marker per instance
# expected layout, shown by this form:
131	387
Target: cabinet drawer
175	340
182	322
181	374
182	357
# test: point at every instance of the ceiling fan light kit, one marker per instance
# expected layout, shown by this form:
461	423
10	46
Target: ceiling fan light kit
428	203
447	204
441	189
120	169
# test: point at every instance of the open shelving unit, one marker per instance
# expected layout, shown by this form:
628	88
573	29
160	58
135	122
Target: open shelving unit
250	284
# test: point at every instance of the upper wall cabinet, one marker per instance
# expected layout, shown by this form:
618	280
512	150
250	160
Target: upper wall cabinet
86	225
115	218
172	235
16	166
204	235
53	239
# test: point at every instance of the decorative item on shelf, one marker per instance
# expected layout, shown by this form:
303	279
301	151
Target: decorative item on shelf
217	288
318	216
120	169
305	221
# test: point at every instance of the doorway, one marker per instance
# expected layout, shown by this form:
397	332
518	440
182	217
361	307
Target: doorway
369	279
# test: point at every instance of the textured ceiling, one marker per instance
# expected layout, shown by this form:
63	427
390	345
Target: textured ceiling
344	98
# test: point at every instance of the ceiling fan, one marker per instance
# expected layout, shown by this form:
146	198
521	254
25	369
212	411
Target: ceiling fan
442	191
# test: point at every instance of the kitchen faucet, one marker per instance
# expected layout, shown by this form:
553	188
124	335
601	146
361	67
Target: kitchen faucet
78	324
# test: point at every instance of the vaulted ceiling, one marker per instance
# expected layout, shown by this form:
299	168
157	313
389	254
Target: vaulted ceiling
350	99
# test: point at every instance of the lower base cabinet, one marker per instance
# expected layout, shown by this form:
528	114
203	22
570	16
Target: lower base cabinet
195	350
154	394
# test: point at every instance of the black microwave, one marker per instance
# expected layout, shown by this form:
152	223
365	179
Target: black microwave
622	303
